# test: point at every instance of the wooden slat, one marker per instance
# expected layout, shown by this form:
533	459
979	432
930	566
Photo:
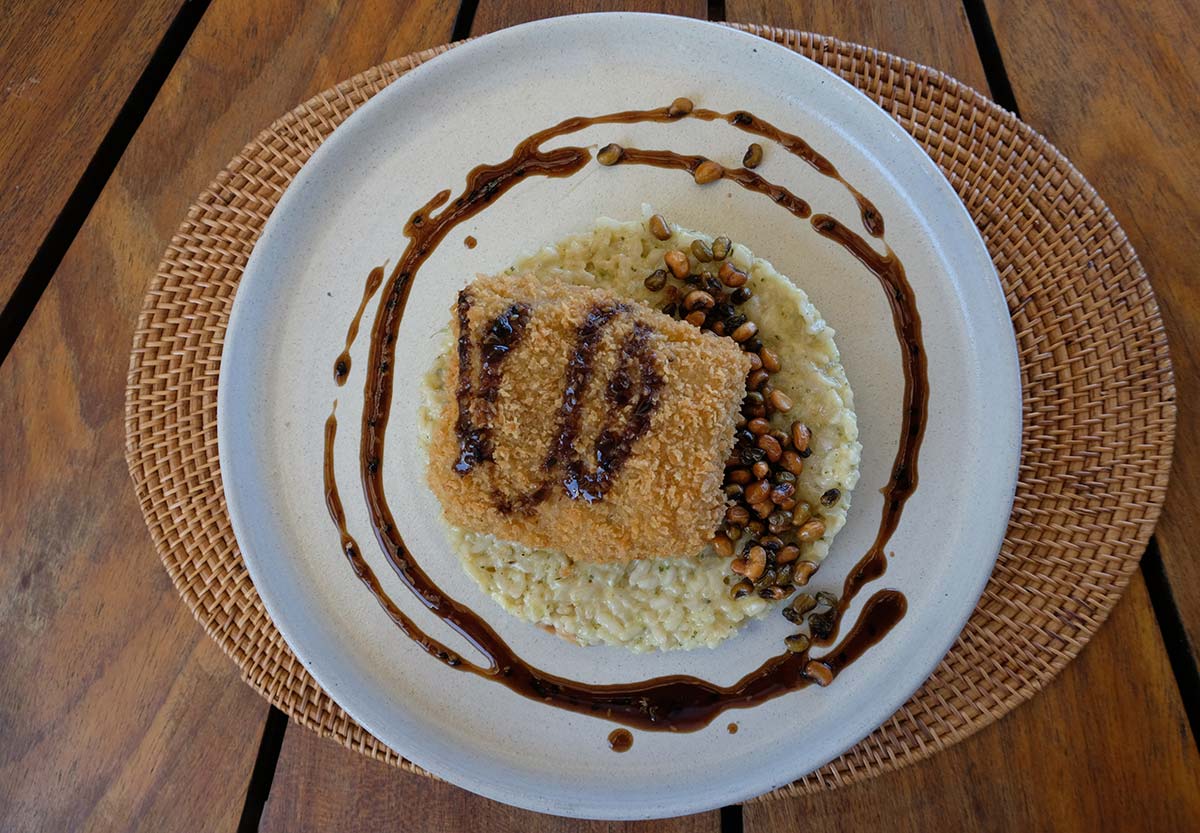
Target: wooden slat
1105	747
116	711
68	68
933	33
1116	86
322	786
497	14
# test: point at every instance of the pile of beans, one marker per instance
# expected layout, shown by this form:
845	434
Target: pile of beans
765	522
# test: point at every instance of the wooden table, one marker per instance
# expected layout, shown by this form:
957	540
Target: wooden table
118	713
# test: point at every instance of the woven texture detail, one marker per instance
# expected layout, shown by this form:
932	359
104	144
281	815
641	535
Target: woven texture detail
1098	406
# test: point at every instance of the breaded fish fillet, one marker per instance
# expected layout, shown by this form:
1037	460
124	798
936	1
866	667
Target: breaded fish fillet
583	422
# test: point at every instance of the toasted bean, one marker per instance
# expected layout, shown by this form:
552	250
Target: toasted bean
757	379
782	492
739	565
780	401
677	262
756	527
610	154
803	511
660	228
680	107
733	491
831	497
722	545
771	543
783	475
812	530
784	440
721	247
708	171
787	503
671	293
764	509
739	476
775	593
770	361
695	318
701	251
669	309
797	643
744	332
737	514
741	295
698	299
801	436
742	589
802	571
758	425
756	563
656	280
804	602
757	491
792	462
755	361
779	521
753	345
761	469
753	157
818	672
821	625
750	456
752	405
718	327
826	598
731	276
771	446
787	555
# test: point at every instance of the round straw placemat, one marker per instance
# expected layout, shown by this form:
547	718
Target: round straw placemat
1098	407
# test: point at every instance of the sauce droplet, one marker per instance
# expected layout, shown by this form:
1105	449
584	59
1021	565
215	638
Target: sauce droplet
619	740
733	728
470	242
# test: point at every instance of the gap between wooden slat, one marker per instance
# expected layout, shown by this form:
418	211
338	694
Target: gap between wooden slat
263	774
95	176
989	54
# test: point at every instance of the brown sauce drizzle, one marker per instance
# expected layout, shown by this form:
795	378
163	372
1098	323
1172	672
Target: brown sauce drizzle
668	703
341	367
620	740
633	393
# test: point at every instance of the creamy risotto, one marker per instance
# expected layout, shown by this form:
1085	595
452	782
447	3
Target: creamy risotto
681	600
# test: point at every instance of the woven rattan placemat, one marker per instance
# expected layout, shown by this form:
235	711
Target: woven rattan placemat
1098	404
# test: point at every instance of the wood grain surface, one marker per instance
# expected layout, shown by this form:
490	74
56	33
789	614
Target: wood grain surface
934	33
1116	87
1105	747
67	68
321	786
497	14
116	711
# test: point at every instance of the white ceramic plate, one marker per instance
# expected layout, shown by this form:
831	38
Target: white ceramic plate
344	214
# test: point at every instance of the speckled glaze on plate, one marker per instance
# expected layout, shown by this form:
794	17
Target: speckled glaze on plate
343	215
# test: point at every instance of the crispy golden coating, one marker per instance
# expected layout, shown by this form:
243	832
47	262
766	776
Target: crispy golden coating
666	498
